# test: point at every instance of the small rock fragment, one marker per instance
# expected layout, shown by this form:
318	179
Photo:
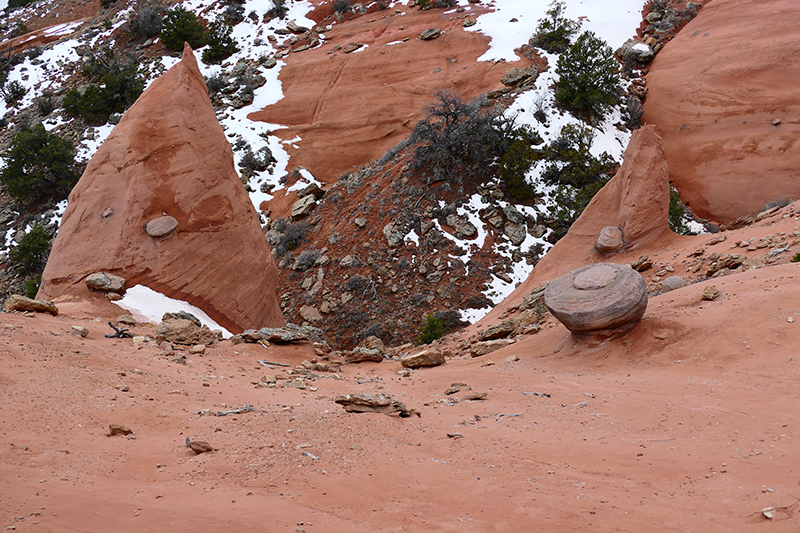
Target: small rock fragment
710	293
117	429
198	446
474	396
79	331
374	403
430	33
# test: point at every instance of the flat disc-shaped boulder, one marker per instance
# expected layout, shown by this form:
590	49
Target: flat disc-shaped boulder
597	298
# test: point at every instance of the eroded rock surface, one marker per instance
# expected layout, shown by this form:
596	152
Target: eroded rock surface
597	298
169	155
716	107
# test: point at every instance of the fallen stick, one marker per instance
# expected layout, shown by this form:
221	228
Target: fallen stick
267	363
245	409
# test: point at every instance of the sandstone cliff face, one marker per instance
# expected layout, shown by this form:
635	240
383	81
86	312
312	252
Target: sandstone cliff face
716	92
169	155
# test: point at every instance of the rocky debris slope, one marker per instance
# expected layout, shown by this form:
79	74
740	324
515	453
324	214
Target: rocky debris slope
161	205
723	94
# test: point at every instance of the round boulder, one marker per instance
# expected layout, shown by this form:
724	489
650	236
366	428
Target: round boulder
609	240
672	283
161	226
597	298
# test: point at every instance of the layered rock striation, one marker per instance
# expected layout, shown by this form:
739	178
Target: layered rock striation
161	205
724	96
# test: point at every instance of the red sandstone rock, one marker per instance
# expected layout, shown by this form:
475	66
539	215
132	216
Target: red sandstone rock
169	154
714	92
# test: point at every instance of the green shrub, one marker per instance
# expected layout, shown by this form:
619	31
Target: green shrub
432	329
121	86
14	4
796	258
576	174
32	285
567	204
30	255
515	164
181	25
555	32
341	6
677	214
458	140
220	42
146	20
13	92
278	9
39	164
588	83
570	161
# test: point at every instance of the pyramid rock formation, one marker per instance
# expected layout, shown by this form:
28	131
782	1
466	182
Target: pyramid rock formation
723	93
161	205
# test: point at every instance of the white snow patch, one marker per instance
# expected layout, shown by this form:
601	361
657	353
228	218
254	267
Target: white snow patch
613	21
412	237
145	303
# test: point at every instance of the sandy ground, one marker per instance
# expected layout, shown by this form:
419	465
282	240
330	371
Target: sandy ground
686	423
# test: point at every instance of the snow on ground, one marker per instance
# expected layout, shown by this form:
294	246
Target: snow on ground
146	304
614	21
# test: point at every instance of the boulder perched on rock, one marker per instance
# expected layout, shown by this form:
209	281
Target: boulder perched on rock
103	282
610	240
168	158
17	302
598	298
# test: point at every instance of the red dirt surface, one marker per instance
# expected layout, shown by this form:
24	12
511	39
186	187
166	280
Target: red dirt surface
688	421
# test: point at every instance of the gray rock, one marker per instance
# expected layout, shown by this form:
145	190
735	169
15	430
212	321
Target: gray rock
313	189
515	77
516	233
311	314
513	215
463	228
393	236
597	298
270	62
348	261
430	33
499	330
303	206
182	315
184	332
296	28
361	355
672	283
610	240
17	302
538	230
429	357
361	222
102	282
292	333
634	50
